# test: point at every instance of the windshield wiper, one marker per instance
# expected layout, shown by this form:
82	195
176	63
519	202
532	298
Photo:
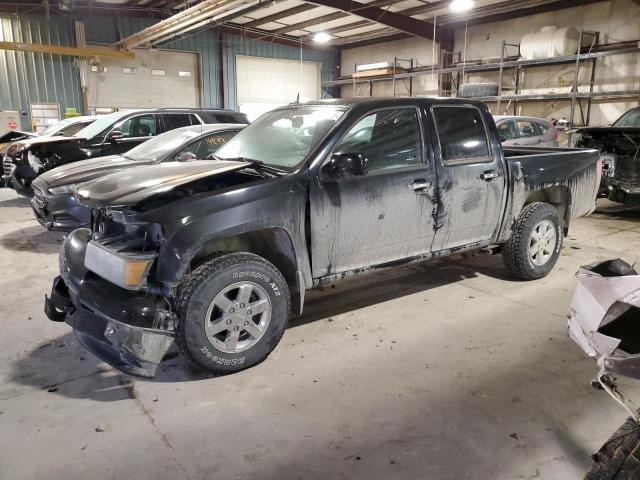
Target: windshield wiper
253	162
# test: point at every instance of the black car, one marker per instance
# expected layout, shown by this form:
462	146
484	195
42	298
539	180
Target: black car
54	203
215	254
109	135
619	147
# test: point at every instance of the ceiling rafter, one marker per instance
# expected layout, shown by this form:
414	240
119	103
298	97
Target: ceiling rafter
328	18
403	23
280	15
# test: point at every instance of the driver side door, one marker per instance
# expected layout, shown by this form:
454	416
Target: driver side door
383	215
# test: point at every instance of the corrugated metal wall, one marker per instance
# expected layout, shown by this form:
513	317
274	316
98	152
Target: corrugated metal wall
36	77
237	45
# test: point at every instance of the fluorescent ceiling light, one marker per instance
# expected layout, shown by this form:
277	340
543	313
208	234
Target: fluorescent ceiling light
321	37
461	5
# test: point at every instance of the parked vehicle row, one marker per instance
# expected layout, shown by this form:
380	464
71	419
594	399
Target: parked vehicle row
109	135
215	254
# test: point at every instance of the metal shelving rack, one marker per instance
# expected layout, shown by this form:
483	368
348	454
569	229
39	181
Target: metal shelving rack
397	64
575	96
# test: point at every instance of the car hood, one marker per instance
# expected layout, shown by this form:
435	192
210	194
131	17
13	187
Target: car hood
131	186
85	170
26	143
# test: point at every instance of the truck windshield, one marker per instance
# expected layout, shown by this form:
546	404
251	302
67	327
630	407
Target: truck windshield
282	138
631	119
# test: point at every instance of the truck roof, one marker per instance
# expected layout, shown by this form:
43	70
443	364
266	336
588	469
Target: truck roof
389	101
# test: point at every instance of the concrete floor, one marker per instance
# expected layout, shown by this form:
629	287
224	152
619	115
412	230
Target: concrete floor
445	370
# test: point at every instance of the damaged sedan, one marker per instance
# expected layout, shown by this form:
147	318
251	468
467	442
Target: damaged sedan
214	255
54	203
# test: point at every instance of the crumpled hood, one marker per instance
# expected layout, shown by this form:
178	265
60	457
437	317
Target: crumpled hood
40	141
91	169
128	187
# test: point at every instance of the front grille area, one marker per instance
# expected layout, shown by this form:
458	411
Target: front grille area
39	197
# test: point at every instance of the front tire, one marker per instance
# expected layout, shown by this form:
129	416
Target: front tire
233	311
535	243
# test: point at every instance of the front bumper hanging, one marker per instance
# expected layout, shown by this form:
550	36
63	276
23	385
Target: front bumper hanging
128	330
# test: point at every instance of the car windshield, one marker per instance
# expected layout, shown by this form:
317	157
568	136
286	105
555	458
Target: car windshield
162	145
282	138
631	119
51	129
100	125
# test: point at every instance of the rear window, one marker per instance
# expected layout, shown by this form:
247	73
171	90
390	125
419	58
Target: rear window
462	135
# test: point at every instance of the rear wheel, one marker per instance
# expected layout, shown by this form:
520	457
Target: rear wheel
233	311
534	246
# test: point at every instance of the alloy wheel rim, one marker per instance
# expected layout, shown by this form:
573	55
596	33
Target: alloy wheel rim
238	317
542	243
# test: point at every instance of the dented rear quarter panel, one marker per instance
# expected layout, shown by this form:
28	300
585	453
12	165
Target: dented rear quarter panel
532	170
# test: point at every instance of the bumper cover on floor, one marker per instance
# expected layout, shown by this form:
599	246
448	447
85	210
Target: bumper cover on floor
128	330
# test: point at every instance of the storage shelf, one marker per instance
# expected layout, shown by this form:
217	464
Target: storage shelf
571	59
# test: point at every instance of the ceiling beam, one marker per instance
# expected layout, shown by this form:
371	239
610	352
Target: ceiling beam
408	12
402	23
277	16
327	18
265	36
70	51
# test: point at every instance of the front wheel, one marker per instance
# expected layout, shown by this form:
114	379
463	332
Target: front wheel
233	310
535	243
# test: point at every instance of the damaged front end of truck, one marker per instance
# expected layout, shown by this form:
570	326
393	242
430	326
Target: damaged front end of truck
604	321
109	290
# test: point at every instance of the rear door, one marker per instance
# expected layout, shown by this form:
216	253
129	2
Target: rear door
472	177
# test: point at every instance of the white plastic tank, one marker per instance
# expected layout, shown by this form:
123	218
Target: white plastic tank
550	41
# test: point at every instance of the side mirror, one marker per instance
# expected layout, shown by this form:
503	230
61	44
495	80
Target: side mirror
503	139
115	135
346	165
186	157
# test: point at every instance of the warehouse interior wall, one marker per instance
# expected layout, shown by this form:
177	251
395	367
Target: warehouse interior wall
28	78
616	20
420	50
35	77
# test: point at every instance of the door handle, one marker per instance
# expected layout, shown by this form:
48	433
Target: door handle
489	175
419	185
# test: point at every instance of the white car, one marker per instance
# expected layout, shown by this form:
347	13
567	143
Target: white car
526	131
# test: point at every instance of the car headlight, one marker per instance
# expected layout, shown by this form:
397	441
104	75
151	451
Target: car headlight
62	189
126	269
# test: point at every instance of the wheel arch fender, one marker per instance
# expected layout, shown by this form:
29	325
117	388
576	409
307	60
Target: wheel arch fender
274	244
557	195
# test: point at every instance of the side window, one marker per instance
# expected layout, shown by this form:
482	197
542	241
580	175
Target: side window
194	120
462	135
388	138
140	126
525	129
204	148
176	120
506	130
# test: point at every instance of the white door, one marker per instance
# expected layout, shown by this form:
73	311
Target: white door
153	79
266	83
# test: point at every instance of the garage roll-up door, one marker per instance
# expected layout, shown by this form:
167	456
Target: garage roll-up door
266	83
154	79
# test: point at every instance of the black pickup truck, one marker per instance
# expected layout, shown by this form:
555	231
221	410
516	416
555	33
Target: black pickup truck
215	255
